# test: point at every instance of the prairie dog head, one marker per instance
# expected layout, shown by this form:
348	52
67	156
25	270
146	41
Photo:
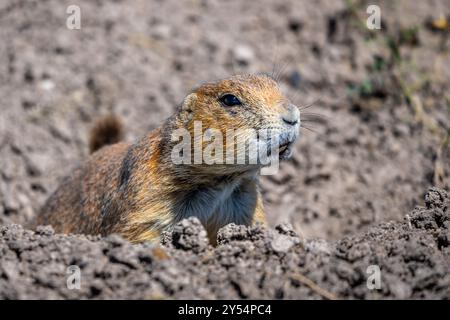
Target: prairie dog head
251	106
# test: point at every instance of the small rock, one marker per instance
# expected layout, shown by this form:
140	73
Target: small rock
9	270
61	130
45	230
47	85
286	229
125	256
232	232
400	289
161	31
318	246
243	54
189	234
115	240
436	198
282	243
11	202
443	239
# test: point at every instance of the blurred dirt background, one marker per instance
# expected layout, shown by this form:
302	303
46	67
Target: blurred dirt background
385	94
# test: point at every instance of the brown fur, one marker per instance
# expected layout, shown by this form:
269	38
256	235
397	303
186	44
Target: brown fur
106	131
135	189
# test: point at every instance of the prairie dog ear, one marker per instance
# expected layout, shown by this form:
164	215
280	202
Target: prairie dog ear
189	102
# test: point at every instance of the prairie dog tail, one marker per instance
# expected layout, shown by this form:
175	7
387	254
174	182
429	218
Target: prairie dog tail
106	130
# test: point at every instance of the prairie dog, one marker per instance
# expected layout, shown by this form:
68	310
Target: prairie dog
136	189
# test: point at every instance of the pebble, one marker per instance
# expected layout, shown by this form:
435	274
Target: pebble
243	54
282	243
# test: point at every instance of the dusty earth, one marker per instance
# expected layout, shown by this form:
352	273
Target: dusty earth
249	262
349	192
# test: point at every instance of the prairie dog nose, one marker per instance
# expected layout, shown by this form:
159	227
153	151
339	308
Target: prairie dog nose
292	115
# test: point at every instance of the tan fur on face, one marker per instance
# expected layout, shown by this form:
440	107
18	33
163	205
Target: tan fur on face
263	104
260	96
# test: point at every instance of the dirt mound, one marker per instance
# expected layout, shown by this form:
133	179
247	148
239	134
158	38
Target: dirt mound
249	262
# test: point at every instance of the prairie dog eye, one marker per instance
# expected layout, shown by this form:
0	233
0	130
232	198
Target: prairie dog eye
230	100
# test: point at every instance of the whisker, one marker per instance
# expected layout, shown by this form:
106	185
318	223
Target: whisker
282	70
314	115
310	126
306	107
310	129
278	70
275	59
317	121
310	105
294	98
287	63
274	63
312	120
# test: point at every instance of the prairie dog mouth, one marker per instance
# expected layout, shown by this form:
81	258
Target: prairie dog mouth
285	150
287	140
283	147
